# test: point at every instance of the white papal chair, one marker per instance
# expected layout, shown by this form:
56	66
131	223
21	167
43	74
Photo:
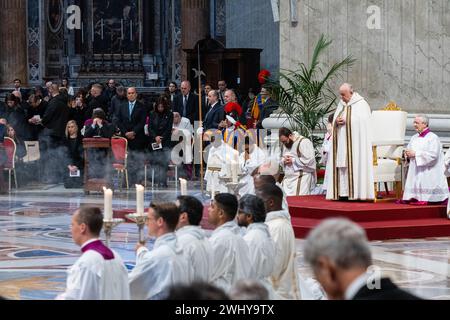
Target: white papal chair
389	129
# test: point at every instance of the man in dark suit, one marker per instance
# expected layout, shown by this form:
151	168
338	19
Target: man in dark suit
186	104
215	114
339	254
268	108
131	121
18	87
51	140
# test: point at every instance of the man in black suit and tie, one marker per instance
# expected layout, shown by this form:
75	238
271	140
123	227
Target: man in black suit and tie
186	104
18	87
215	114
339	254
131	121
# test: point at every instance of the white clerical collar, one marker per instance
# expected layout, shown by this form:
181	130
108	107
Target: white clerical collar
356	285
88	242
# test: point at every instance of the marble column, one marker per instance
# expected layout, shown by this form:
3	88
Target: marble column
195	24
13	35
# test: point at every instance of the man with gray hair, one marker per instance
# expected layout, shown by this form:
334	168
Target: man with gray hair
426	180
339	254
350	163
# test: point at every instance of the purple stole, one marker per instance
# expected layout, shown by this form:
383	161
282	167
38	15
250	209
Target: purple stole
424	133
99	247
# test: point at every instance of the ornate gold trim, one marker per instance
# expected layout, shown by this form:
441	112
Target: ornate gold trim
392	106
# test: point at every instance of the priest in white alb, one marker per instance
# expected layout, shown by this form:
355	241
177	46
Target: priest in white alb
252	216
192	238
99	274
157	270
231	253
350	162
298	162
426	180
251	159
219	161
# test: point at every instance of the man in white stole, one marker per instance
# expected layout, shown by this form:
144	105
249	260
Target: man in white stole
219	162
284	278
426	180
165	265
298	162
231	254
350	162
99	274
251	159
252	215
192	239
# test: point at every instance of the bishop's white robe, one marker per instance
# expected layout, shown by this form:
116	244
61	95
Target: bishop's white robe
92	277
262	253
284	278
157	270
198	250
231	256
447	163
350	162
300	177
426	180
221	156
256	159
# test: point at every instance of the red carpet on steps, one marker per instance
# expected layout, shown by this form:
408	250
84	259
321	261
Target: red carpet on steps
380	220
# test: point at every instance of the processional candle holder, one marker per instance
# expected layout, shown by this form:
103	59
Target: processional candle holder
141	221
108	226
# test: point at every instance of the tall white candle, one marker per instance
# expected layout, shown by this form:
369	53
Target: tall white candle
140	199
108	212
183	186
234	171
213	187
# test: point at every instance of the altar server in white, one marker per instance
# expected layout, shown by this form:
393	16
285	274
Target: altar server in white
350	162
251	159
252	215
99	274
284	278
299	163
165	265
231	254
192	239
426	180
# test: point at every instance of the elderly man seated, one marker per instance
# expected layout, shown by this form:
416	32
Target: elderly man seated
425	181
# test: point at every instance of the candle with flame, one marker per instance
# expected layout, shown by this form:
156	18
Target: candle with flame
183	187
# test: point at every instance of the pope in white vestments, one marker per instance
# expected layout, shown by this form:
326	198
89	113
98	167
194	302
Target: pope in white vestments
350	162
299	164
157	270
426	180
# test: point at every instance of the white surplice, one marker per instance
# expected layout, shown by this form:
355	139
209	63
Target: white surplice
447	163
219	157
300	177
231	256
426	180
284	278
350	161
262	253
157	270
94	278
256	159
198	250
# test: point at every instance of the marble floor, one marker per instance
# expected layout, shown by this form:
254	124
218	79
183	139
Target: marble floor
36	246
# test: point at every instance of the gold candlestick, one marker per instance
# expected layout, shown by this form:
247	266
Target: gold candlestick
108	226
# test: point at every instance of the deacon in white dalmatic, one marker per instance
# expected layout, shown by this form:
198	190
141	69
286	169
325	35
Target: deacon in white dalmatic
157	270
99	274
298	162
350	162
426	180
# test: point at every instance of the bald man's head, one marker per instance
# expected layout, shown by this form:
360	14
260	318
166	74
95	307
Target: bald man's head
346	92
185	87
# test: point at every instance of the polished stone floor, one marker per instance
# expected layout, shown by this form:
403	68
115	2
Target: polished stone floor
36	246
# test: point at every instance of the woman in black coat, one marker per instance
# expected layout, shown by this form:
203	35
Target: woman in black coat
160	134
74	158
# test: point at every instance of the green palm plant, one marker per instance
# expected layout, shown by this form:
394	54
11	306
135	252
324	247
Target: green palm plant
305	95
